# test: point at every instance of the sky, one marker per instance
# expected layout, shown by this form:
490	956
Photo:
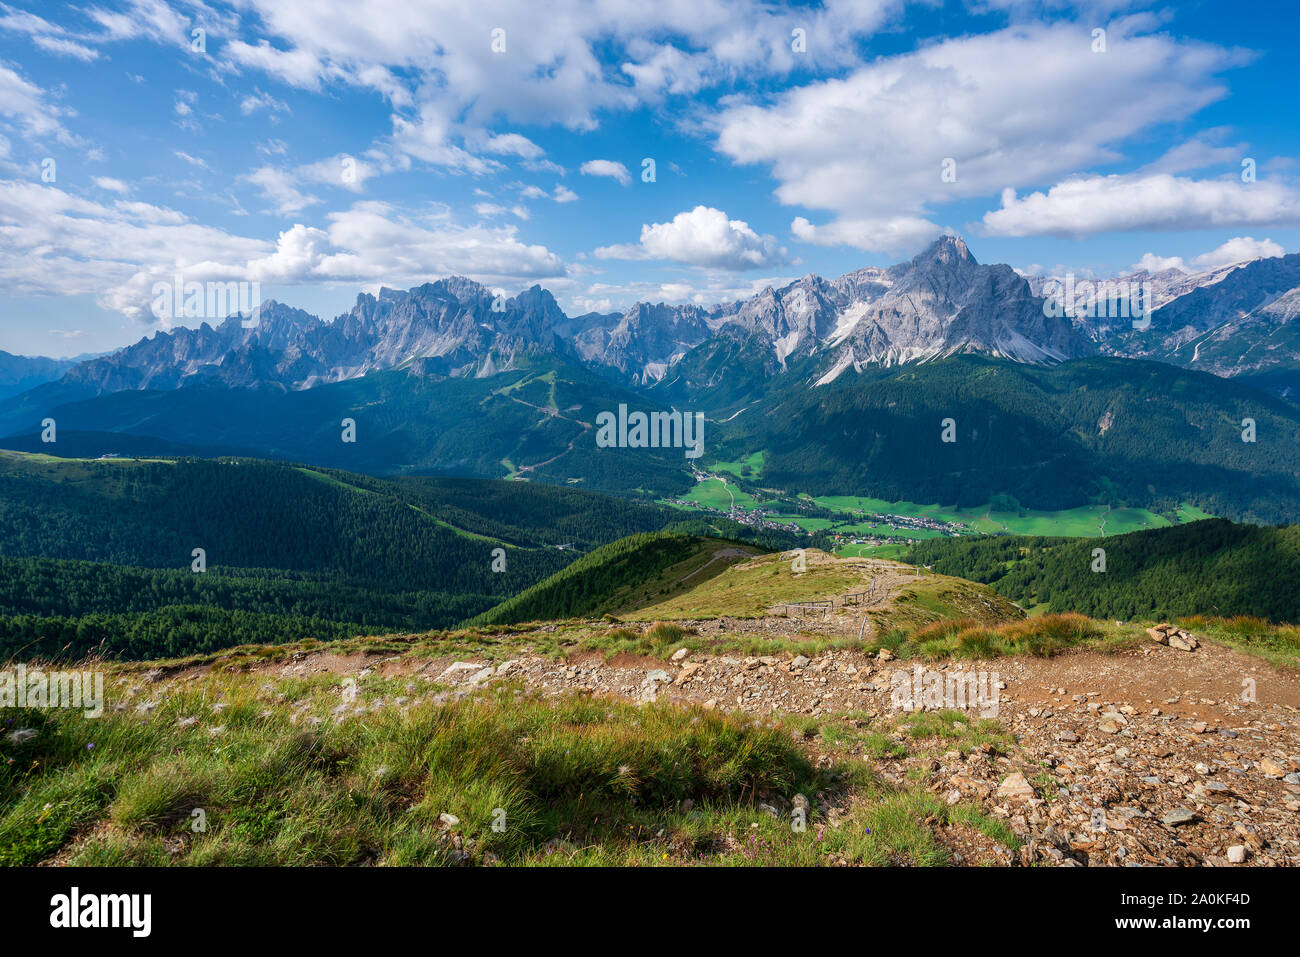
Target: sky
616	151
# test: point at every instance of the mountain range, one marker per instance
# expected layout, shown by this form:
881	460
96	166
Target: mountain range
448	378
940	303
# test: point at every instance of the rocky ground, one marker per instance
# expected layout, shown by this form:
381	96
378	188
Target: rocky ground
1153	755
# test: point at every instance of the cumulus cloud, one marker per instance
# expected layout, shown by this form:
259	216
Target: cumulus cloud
879	234
1086	205
1236	250
1240	249
58	244
280	188
872	147
609	168
450	78
1152	263
704	236
559	62
704	290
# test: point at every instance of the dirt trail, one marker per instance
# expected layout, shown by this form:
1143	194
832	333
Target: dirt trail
718	555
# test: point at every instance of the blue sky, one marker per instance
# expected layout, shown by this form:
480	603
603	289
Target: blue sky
320	149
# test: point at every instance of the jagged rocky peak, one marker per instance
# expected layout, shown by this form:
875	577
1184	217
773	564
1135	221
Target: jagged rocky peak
947	250
940	302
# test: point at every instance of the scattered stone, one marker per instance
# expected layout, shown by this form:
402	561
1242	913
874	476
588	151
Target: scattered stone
1271	768
456	670
1179	815
1016	788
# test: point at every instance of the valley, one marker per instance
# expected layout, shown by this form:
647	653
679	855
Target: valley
856	525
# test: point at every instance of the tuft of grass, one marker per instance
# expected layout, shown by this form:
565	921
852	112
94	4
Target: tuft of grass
1042	637
1278	644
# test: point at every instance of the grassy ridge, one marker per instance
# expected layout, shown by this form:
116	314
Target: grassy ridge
619	575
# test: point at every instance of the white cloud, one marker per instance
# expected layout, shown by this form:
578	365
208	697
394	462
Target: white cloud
609	168
1154	264
449	80
702	237
257	100
54	243
153	20
563	194
48	36
871	147
57	244
704	290
489	210
874	234
1198	153
512	144
349	172
1238	249
113	185
69	48
192	160
24	103
1086	205
551	68
280	188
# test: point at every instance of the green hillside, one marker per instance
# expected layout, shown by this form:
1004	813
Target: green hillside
98	552
622	576
1112	431
534	423
1210	567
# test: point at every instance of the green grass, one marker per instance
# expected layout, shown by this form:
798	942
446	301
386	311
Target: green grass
1279	645
248	770
750	467
1042	637
713	493
621	577
1086	521
747	589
